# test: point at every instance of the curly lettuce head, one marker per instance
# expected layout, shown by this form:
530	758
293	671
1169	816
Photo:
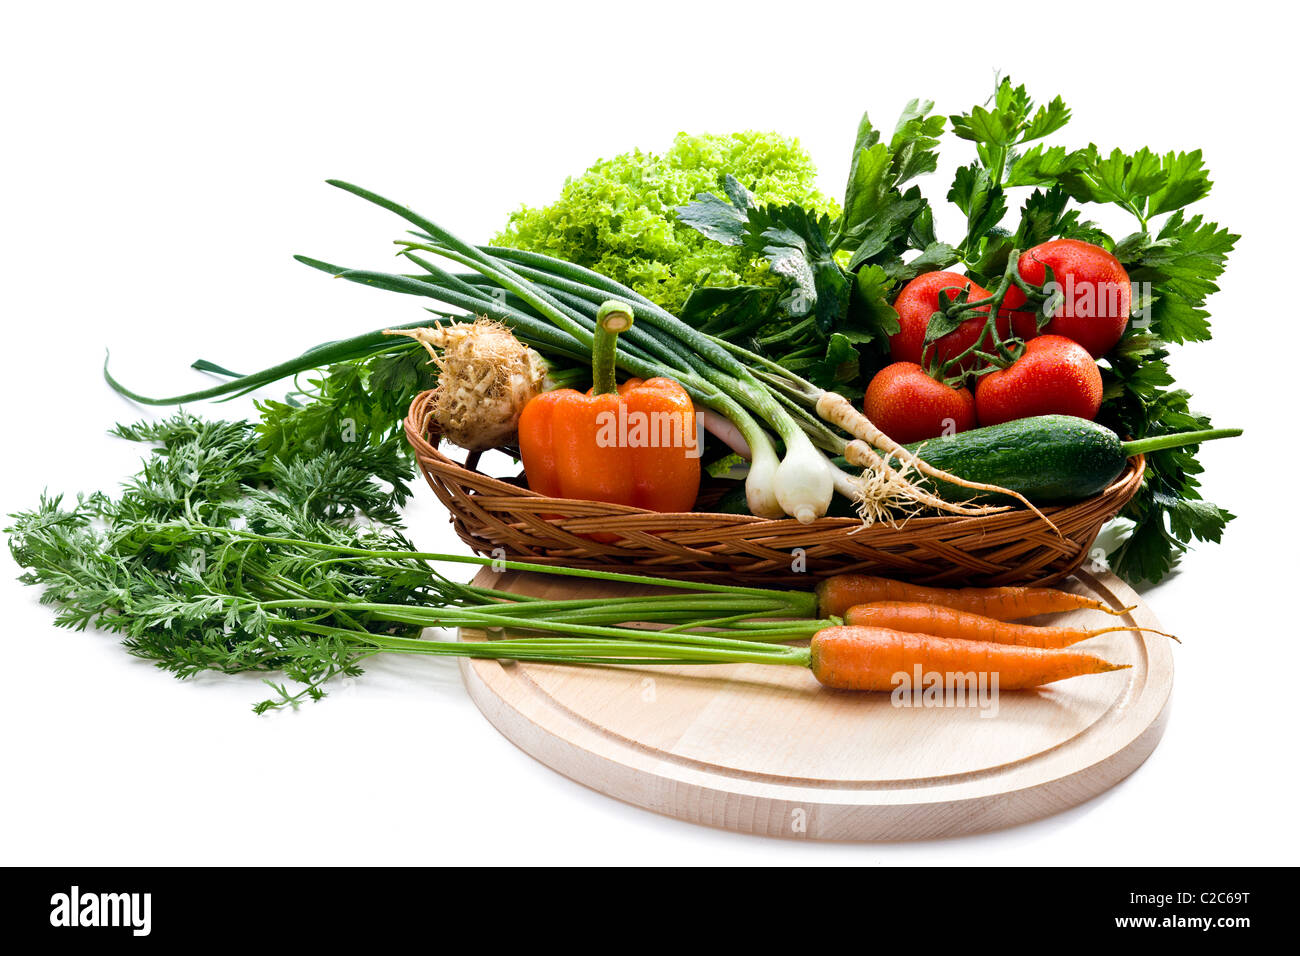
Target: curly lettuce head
619	217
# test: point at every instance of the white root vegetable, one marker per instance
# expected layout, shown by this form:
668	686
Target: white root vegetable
485	378
760	483
804	482
880	492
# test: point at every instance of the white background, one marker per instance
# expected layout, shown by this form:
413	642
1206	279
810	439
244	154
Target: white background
161	164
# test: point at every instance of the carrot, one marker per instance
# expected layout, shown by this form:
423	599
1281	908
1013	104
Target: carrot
944	621
872	658
839	593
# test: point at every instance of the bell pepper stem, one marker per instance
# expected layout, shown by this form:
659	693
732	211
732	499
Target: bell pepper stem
614	317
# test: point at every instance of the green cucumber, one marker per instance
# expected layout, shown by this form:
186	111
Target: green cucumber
1048	458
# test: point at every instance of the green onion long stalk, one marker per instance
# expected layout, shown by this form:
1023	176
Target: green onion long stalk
552	306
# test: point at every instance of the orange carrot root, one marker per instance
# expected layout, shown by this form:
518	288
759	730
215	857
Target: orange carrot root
839	593
942	621
876	659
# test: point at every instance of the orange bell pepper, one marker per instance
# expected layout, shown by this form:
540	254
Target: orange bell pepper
634	444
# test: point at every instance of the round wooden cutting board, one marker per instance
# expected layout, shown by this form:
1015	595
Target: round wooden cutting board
762	749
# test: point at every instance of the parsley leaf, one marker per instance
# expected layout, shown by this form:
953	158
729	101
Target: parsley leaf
1144	183
838	365
1181	264
878	215
912	146
1043	165
349	406
976	194
873	312
1186	180
1010	122
794	243
732	312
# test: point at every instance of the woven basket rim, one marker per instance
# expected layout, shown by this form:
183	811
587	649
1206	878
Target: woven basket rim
496	516
425	440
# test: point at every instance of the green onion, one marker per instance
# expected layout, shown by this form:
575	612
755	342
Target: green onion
553	306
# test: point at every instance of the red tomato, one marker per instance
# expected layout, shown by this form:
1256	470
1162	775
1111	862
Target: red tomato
919	300
908	405
1097	293
1054	376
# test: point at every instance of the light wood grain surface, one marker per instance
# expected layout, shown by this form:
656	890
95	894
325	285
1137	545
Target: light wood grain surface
767	750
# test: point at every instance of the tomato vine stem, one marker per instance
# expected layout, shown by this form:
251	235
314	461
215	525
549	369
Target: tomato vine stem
1000	352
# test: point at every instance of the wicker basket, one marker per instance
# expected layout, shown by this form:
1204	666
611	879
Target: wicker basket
1011	547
